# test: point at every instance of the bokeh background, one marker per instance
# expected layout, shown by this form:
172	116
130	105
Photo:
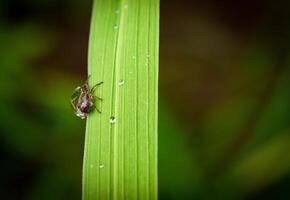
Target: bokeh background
224	110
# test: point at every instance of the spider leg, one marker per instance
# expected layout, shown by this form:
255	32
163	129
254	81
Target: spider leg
94	98
99	111
99	98
87	81
72	104
95	86
95	107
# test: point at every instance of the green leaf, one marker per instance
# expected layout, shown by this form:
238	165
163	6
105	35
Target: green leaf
120	158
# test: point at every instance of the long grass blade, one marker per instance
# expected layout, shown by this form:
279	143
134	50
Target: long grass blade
120	156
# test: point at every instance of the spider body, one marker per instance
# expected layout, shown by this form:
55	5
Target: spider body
83	100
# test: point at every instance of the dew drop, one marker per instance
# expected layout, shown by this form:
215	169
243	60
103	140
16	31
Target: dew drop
126	5
116	26
117	11
121	82
91	166
130	72
134	57
101	166
112	120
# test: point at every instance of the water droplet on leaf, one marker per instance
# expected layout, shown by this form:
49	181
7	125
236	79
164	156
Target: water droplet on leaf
112	120
121	82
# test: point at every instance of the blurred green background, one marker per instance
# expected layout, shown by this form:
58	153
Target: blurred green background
224	109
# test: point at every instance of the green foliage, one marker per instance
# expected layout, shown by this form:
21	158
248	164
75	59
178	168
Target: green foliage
34	117
120	160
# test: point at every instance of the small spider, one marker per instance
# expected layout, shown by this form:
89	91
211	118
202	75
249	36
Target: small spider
83	100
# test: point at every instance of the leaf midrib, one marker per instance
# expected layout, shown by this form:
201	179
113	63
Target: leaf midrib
115	99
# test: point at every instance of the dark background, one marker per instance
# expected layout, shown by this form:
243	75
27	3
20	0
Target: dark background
224	111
